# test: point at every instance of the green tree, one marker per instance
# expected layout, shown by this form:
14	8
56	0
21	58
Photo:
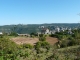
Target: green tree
8	49
27	46
13	34
42	38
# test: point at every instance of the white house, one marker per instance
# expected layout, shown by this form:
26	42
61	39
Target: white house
1	33
57	29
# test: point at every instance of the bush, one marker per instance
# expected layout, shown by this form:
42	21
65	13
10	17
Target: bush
8	49
13	34
33	34
42	45
42	38
64	43
27	46
74	42
41	35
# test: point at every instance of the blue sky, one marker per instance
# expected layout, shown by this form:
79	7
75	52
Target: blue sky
39	11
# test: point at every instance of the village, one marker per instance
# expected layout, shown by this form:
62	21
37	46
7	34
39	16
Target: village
45	30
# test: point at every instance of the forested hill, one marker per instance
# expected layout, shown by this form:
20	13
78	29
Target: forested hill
20	28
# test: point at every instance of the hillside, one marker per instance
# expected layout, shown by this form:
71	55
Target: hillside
20	28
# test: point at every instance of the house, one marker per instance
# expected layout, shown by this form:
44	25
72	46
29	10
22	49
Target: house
1	33
57	29
53	32
70	31
45	31
62	29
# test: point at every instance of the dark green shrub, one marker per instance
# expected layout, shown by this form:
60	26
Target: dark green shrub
64	43
1	36
41	35
13	34
42	38
33	34
27	46
8	48
43	44
74	42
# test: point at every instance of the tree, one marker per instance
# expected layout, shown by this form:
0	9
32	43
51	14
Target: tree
13	34
42	39
27	46
42	44
8	49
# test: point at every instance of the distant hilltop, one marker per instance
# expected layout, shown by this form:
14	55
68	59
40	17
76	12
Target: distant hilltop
29	28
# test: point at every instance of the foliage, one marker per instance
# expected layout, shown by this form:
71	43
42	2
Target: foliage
66	54
8	49
33	34
42	50
13	34
27	46
43	44
66	40
64	43
42	38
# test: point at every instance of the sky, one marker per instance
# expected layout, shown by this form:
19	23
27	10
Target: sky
39	11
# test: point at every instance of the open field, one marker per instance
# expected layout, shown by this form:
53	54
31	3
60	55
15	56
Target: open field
32	41
22	40
51	40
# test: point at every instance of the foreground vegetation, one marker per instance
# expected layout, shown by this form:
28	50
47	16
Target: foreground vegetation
67	48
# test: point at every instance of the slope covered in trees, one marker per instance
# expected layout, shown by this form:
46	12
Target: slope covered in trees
20	28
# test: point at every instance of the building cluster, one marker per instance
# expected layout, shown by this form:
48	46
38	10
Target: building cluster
45	30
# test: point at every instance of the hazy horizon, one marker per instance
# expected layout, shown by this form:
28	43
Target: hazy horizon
39	24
